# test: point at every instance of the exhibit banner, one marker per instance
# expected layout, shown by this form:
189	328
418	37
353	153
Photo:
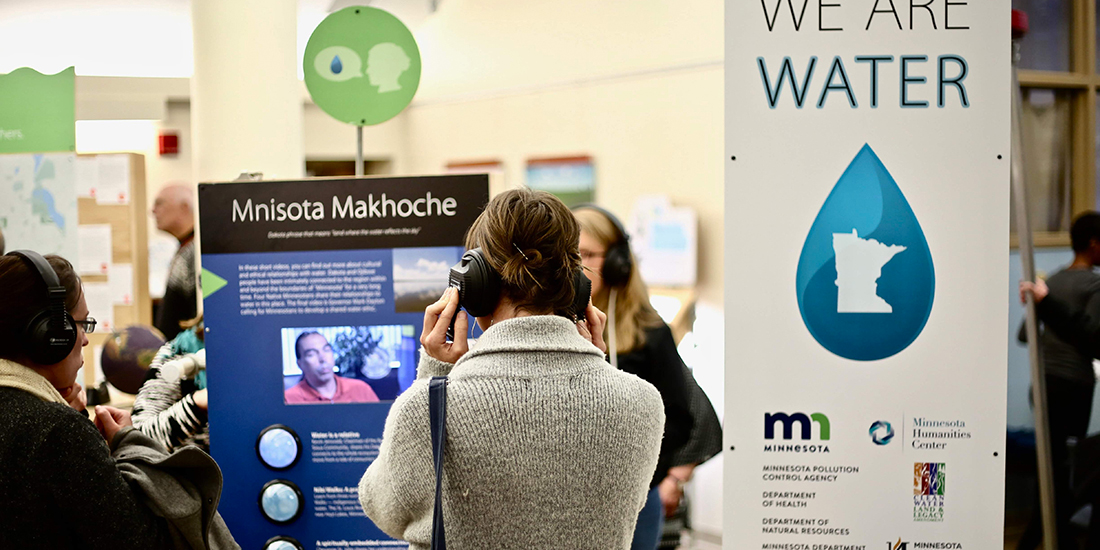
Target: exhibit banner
38	112
867	201
314	294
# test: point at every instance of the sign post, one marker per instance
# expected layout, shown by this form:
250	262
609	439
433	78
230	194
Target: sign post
362	67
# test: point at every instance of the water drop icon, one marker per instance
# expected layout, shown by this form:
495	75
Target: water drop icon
865	280
336	66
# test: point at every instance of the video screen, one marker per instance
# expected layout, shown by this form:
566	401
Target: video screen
351	364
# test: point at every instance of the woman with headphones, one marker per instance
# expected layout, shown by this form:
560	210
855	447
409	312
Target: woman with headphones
642	344
545	446
61	486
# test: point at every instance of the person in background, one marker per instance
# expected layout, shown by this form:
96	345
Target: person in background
546	447
171	408
1068	305
642	344
61	486
320	383
174	212
1	241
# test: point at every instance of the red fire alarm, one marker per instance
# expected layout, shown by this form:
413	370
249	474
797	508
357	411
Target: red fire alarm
169	143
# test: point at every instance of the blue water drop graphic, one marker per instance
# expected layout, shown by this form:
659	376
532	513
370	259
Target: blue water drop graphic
880	299
336	66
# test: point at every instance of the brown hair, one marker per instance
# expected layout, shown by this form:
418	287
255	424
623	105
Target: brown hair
195	325
531	239
633	312
23	294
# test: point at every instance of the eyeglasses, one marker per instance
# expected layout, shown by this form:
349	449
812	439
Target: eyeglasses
87	324
590	254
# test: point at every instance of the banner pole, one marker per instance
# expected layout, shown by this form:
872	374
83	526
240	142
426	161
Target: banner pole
1027	264
358	150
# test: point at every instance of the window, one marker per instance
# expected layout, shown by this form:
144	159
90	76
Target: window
1059	76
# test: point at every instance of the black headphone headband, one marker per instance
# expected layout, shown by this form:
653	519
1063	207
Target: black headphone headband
49	276
50	334
618	263
623	235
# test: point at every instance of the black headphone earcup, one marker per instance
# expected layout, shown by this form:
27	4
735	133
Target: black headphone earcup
617	265
478	284
583	294
47	347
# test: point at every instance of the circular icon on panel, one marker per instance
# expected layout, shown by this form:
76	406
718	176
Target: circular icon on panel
362	65
278	447
881	432
281	501
282	543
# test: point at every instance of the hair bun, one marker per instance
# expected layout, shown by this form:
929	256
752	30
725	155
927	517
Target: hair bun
530	238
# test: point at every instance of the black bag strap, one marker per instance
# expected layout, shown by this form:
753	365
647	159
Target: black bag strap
437	411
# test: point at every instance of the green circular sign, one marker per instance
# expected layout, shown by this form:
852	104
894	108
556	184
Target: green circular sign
362	66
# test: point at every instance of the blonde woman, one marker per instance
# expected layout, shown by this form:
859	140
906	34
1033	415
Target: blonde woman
641	343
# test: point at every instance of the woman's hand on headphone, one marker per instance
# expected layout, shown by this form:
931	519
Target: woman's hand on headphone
437	319
592	326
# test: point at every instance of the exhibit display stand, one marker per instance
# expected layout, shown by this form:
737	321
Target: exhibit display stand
314	296
867	183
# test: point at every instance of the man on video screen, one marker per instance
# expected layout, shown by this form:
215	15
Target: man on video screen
319	383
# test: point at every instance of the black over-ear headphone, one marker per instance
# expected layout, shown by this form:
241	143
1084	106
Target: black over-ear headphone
50	333
477	283
618	264
478	286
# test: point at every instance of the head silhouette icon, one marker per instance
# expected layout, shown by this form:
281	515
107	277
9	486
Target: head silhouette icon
385	63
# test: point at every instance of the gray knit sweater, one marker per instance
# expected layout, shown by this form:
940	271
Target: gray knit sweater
547	446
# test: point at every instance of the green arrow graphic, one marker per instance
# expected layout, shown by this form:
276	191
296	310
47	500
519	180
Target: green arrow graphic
211	283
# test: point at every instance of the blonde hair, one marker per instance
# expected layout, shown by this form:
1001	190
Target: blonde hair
633	312
532	240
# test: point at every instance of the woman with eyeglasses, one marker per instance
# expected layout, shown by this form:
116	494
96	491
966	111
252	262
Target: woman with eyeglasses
60	486
641	343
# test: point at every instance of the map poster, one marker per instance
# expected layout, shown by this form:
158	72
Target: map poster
38	203
314	294
867	201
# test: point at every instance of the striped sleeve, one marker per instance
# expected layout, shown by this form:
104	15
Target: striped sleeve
162	412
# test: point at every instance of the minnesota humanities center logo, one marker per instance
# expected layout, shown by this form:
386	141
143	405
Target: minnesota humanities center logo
929	489
881	432
865	280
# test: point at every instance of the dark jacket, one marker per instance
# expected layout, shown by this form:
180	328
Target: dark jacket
1076	323
184	488
59	486
658	363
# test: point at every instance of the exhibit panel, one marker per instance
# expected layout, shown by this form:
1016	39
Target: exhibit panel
867	172
314	295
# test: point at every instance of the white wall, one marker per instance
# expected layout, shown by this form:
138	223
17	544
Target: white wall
477	46
642	136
